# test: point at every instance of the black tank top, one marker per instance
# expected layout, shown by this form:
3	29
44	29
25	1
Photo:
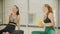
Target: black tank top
47	20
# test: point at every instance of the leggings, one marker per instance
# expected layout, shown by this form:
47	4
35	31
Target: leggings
9	28
48	30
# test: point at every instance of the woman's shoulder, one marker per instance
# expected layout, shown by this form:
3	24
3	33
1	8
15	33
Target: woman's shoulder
50	14
18	16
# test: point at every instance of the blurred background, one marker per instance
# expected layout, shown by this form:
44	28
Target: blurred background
30	12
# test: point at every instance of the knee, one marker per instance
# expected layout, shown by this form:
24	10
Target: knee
3	33
51	32
7	33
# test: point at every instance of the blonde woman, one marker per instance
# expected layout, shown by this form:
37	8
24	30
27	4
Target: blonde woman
49	21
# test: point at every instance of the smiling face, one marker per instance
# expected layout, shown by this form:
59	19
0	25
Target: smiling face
45	9
14	9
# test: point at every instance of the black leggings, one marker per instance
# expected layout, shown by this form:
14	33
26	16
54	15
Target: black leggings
9	28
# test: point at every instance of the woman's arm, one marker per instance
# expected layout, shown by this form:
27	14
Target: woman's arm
51	17
18	23
7	19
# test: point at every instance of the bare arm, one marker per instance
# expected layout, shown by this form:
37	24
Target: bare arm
7	19
18	23
51	17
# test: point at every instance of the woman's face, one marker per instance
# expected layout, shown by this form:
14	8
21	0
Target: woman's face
14	9
45	9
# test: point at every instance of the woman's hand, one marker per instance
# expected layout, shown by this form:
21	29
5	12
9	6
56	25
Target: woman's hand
43	25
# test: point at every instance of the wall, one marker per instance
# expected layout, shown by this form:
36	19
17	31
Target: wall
59	10
59	16
1	11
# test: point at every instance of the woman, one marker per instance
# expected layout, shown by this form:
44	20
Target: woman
48	20
12	20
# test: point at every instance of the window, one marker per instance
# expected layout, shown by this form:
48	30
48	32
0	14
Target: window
1	12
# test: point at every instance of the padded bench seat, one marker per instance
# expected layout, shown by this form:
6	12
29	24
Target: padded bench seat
18	32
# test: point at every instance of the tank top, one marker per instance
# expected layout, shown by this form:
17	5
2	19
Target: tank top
12	20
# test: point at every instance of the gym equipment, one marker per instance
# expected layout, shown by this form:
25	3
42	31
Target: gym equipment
18	32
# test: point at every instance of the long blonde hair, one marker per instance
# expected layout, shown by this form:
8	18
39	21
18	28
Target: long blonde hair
49	9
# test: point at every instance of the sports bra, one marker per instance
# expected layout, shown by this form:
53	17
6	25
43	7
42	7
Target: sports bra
47	20
12	20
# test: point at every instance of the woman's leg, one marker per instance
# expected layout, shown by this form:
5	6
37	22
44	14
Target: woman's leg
7	33
51	32
3	32
38	32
